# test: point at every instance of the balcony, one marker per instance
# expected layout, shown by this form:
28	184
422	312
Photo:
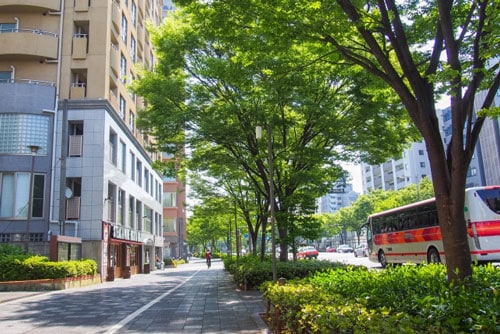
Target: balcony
73	208
78	91
81	5
116	16
23	94
115	59
46	4
29	42
75	146
79	46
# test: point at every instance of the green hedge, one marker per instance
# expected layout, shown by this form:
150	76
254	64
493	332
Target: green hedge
252	272
31	267
403	299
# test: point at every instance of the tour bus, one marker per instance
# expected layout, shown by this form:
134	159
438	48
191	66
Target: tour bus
411	233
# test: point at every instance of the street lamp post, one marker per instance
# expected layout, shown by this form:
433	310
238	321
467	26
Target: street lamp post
258	134
34	150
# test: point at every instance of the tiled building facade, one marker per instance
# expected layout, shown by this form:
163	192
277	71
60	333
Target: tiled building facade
74	169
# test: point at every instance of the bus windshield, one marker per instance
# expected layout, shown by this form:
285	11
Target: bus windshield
491	197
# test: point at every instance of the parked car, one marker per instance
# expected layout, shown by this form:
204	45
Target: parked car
331	249
361	250
307	252
344	249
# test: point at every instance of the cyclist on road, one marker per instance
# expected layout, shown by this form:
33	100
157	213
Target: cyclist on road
208	257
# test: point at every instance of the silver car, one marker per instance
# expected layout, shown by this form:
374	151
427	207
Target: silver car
361	250
344	249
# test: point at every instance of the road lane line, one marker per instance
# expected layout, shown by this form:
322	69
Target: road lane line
135	314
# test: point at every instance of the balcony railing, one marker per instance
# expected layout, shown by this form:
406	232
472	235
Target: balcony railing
75	146
78	91
32	42
79	46
28	81
73	208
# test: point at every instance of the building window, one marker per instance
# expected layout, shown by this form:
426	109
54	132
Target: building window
148	220
131	212
22	130
133	14
112	147
14	195
121	207
169	199
420	152
132	49
169	224
138	214
146	180
422	164
111	202
151	185
123	69
7	27
139	173
5	76
123	107
123	164
124	30
131	121
151	61
132	166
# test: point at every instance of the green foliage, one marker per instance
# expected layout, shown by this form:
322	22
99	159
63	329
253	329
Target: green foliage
218	77
6	249
252	272
403	299
353	217
24	267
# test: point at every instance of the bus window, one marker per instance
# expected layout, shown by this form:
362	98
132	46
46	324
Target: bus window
491	197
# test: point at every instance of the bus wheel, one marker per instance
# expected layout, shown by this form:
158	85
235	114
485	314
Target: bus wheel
382	259
433	256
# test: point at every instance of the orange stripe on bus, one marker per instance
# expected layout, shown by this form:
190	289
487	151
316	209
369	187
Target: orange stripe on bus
484	229
420	235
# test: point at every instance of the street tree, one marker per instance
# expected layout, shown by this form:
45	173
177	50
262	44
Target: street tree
211	89
208	226
421	50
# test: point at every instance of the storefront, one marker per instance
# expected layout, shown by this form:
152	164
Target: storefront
122	252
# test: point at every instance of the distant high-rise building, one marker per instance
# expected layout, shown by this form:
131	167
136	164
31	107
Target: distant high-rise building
76	176
339	196
397	173
489	144
475	172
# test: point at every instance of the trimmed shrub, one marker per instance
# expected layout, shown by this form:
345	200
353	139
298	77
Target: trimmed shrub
24	267
251	271
403	299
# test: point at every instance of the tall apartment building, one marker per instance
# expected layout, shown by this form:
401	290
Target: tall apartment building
475	173
76	176
484	168
489	144
395	174
340	196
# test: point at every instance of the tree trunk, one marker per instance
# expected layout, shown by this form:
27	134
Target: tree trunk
263	240
283	233
449	188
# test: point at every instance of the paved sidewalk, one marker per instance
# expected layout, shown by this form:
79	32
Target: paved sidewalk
188	299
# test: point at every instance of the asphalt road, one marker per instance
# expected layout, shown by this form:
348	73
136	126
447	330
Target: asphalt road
348	258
